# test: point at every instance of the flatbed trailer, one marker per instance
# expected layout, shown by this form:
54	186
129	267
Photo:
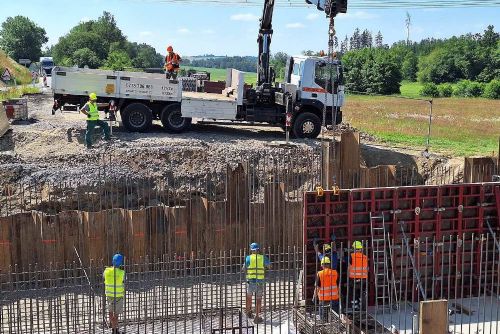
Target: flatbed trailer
144	97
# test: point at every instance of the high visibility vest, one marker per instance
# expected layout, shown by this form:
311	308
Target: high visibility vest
113	282
93	112
172	62
256	268
359	266
328	289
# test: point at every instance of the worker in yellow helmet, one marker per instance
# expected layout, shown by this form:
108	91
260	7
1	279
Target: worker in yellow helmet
255	266
114	289
358	275
91	110
172	63
326	289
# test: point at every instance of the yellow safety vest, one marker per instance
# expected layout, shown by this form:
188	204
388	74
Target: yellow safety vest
256	268
93	112
113	282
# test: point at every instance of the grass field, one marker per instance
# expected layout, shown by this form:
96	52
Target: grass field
461	127
14	93
219	74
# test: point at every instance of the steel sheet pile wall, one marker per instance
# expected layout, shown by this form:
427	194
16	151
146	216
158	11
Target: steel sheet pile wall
443	226
251	202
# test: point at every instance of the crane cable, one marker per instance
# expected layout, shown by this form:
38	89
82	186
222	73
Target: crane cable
329	83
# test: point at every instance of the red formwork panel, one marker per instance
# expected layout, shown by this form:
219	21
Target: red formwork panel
428	214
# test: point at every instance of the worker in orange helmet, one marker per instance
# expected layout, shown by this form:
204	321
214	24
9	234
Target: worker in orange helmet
172	63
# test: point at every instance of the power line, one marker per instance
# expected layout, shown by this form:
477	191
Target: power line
360	4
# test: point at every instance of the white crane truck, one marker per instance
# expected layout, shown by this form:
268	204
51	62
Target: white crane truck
312	93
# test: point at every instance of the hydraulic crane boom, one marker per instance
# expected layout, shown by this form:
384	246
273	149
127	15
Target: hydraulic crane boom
264	72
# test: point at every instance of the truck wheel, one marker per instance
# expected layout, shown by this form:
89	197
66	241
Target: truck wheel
137	117
172	120
307	125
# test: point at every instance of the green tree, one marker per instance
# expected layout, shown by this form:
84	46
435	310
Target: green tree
22	38
118	61
97	36
372	70
76	40
278	62
84	57
409	68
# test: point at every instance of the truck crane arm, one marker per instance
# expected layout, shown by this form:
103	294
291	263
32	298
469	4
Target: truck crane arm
264	72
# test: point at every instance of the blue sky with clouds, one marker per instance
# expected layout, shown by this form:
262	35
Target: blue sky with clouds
195	29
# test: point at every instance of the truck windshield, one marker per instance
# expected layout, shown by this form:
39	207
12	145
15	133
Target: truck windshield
47	64
322	76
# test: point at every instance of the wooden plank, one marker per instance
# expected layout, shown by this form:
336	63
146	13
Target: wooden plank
433	317
350	151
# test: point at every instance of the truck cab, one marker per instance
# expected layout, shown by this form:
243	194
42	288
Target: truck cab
313	87
46	66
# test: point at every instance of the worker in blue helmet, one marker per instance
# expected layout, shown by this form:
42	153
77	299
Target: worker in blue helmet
255	266
114	289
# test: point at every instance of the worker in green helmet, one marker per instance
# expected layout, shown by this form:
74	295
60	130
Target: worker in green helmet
90	109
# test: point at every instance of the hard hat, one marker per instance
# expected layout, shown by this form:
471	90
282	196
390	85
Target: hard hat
93	96
254	246
117	260
325	260
327	247
357	245
170	49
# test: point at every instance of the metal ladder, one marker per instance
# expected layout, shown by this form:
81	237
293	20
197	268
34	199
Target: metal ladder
493	234
382	262
416	273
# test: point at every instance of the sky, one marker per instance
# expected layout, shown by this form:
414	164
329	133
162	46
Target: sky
196	29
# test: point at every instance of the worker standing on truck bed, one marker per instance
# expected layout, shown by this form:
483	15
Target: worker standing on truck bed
172	63
326	290
91	110
255	265
358	276
114	290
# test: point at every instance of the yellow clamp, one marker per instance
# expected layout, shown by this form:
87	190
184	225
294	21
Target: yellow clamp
320	191
336	190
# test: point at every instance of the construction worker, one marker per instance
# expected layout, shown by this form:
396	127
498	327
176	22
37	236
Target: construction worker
326	290
329	251
114	289
172	63
255	265
90	109
358	275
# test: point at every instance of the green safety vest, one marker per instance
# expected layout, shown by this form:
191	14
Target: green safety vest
93	112
256	268
113	282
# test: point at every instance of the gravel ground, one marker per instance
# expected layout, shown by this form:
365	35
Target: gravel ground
51	148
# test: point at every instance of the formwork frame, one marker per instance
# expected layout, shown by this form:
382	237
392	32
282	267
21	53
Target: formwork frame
427	214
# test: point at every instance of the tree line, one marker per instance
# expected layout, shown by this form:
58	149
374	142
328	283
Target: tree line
370	65
95	43
468	60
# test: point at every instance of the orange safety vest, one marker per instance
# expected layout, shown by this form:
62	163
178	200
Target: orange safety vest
359	266
328	289
172	62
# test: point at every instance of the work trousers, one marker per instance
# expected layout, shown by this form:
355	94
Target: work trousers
90	130
357	293
326	306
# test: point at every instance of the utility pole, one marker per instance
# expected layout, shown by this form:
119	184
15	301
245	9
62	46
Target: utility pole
408	25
